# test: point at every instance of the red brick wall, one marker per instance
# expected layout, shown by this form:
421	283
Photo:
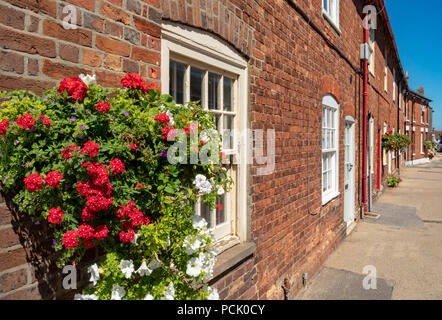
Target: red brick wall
291	66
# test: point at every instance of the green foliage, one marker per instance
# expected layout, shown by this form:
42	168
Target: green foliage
396	141
393	181
164	192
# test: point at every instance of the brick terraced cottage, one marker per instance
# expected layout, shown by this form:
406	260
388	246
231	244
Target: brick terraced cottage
294	67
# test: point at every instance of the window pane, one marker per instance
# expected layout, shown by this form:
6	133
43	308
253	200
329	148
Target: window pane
323	118
196	84
323	138
228	94
176	83
217	121
221	214
329	180
329	116
324	181
205	213
213	91
325	5
228	133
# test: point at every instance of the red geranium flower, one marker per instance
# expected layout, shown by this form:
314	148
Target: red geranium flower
3	127
90	147
220	206
117	166
26	121
33	182
186	129
85	231
55	215
151	86
70	239
103	106
87	214
162	117
88	244
74	87
168	133
101	232
53	179
139	186
133	80
133	146
127	236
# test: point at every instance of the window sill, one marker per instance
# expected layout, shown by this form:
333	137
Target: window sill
326	199
232	256
332	23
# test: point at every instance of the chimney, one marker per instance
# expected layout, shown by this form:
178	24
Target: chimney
421	91
407	78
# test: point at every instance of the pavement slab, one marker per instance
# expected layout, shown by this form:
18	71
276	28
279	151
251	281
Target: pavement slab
404	246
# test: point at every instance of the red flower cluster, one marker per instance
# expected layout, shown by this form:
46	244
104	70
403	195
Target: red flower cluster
74	87
55	215
86	231
101	232
134	81
153	86
117	166
133	146
70	239
127	236
67	153
90	147
33	182
168	132
103	106
130	217
162	117
45	120
26	121
3	127
53	179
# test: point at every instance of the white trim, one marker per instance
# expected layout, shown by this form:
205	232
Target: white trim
204	48
426	129
416	162
329	101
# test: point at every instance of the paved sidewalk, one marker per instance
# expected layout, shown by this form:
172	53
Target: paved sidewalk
404	245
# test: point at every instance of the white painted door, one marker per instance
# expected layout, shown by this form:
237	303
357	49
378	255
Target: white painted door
349	173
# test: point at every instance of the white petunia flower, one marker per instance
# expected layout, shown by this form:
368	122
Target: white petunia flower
205	187
154	264
85	297
192	245
213	294
162	107
149	297
198	222
194	266
118	292
134	241
127	267
220	191
171	121
95	275
169	292
143	270
88	79
168	242
199	179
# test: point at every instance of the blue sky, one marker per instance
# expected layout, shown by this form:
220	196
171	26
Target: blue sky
417	27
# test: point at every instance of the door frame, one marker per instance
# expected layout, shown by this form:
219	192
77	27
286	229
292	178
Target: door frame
349	204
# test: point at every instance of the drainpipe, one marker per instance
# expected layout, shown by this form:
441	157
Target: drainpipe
364	115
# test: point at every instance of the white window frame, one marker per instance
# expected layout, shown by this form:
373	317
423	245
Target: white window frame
422	141
331	12
422	114
200	47
329	103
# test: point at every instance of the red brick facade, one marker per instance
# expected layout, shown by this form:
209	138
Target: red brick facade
295	57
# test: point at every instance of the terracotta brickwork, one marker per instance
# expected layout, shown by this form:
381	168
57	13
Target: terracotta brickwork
295	57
